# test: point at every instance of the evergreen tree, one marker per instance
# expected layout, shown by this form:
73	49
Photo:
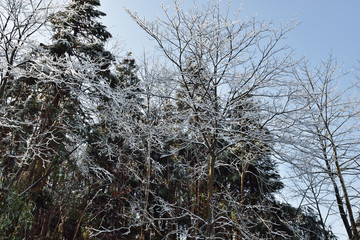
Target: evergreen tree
56	92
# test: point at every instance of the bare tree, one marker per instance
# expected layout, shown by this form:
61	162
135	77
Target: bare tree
328	142
20	22
220	66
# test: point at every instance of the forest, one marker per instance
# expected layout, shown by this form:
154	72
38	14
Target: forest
184	144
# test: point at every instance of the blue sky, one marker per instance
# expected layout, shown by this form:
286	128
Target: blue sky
325	25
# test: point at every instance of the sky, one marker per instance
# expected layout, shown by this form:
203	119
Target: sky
325	26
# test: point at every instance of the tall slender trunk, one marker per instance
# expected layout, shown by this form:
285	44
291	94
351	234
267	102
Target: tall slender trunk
351	230
317	206
339	201
244	167
147	186
209	220
355	235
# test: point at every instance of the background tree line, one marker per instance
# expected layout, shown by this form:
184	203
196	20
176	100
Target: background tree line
182	146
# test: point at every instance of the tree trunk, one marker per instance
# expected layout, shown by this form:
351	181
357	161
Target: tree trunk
209	221
337	195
